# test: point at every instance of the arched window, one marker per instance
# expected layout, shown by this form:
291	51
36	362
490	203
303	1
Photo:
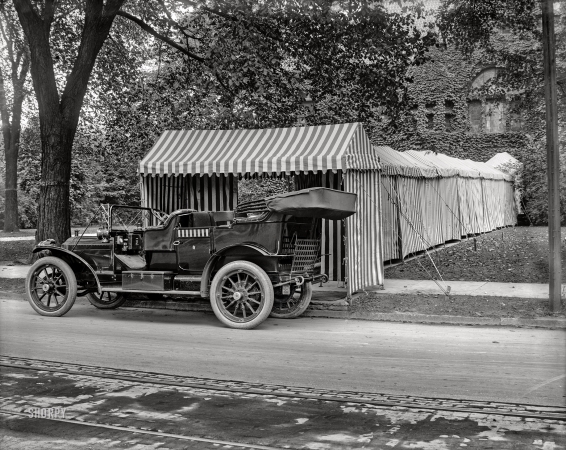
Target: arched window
486	113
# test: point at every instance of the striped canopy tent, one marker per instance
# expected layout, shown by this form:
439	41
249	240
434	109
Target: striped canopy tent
429	199
200	169
416	207
490	193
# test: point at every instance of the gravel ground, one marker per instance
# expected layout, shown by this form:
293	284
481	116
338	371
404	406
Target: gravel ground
510	255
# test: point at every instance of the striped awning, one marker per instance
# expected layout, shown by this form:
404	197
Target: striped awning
274	150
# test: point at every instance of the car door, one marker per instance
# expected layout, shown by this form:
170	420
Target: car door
193	241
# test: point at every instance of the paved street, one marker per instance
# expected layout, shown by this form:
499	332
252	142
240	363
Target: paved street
305	383
505	364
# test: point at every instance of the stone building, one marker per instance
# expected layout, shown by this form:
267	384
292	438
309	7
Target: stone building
450	116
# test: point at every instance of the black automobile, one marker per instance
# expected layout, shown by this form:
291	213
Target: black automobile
259	260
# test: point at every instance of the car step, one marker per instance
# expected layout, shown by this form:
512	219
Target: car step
147	291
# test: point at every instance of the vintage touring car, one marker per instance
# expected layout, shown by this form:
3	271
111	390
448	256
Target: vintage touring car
256	261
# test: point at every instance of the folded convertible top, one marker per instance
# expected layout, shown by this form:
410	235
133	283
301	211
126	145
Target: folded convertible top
317	202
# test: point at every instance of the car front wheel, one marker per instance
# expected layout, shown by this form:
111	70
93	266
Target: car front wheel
51	286
241	295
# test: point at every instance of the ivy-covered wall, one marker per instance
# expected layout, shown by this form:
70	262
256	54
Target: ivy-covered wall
440	117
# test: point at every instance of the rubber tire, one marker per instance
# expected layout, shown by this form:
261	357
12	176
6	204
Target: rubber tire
94	300
262	279
70	279
301	306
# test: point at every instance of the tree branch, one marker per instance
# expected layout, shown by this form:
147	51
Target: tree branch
48	13
29	17
8	37
232	18
144	26
4	114
176	24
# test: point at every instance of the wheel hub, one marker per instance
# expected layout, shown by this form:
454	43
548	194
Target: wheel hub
47	287
237	295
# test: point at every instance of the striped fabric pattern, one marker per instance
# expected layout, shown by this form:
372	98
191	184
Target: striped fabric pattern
192	232
364	247
206	193
415	201
390	219
458	198
274	150
333	231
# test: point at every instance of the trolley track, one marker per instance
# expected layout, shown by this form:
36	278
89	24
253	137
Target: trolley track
161	434
524	411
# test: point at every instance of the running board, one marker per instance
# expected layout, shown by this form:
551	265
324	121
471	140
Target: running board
137	291
189	278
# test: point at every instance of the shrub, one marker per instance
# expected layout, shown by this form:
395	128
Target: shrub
258	188
533	183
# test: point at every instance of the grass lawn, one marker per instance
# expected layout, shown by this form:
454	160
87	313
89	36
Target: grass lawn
456	305
510	255
15	252
19	252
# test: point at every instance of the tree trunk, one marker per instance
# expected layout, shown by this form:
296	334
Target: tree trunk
11	203
11	215
11	133
59	116
54	209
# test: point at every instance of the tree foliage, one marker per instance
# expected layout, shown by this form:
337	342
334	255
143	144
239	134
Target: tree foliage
249	82
508	35
178	64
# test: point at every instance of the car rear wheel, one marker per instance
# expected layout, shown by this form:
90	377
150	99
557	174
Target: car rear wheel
51	287
289	306
241	295
106	300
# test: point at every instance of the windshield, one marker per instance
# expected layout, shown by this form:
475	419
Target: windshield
130	218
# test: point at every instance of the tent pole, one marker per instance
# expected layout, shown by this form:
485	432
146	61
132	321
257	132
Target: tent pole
552	158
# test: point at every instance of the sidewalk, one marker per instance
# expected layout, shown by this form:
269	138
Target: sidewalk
14	271
476	288
330	300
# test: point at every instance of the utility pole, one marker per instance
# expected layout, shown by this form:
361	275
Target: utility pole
552	155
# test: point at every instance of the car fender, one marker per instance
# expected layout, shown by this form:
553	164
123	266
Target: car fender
204	290
58	252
